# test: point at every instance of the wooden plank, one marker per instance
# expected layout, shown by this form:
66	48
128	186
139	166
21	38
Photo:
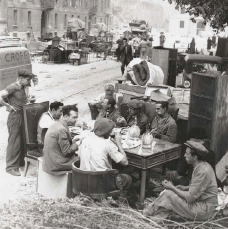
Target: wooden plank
220	168
131	88
161	59
220	121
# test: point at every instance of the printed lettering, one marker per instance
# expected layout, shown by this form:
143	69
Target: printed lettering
17	56
12	56
7	58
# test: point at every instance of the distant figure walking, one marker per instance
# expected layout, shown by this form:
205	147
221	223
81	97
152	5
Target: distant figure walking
162	39
125	54
213	41
192	46
209	43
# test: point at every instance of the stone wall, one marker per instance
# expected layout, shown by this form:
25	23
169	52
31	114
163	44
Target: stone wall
3	16
56	18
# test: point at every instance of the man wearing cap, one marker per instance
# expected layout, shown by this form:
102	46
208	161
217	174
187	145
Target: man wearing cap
97	152
183	174
163	125
136	115
196	201
17	96
109	92
111	112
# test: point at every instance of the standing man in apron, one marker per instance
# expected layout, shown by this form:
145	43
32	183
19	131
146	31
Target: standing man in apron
17	96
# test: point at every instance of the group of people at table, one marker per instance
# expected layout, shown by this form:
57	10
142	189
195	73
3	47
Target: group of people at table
192	195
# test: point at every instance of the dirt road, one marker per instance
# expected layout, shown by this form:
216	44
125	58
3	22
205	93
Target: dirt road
69	84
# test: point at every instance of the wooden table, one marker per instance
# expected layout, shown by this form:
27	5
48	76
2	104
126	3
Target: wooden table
162	153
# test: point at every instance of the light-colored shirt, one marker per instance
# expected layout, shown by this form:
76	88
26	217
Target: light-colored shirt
97	153
46	120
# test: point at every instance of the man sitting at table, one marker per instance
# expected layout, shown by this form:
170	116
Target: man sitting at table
164	126
59	151
111	112
109	93
136	115
195	202
45	121
97	152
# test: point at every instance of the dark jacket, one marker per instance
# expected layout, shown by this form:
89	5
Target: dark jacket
58	157
126	56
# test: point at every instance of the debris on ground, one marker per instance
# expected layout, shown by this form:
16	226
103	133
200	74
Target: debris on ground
82	212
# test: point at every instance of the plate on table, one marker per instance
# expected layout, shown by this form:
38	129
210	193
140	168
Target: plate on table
76	130
129	144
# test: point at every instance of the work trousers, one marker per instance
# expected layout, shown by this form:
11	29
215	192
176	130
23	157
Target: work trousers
15	140
124	63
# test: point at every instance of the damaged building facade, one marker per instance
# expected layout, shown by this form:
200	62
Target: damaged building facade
48	18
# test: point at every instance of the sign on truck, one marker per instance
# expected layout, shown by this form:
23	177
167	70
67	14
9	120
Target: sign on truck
13	59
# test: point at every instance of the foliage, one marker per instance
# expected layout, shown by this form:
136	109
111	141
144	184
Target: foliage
213	11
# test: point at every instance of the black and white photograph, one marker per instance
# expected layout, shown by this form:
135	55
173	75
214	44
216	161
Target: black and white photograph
113	114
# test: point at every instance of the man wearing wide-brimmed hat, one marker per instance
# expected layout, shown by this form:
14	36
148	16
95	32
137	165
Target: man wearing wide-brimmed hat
195	202
17	96
136	115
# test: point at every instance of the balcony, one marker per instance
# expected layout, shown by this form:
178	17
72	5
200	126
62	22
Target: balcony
47	4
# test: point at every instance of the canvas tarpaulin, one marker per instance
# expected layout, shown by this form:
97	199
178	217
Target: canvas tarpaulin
75	24
98	28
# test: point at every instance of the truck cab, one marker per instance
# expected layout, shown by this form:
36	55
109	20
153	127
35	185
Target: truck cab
13	57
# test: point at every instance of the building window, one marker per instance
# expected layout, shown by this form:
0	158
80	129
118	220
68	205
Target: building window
101	20
15	17
55	34
65	20
29	18
78	16
14	34
182	11
181	24
56	20
72	16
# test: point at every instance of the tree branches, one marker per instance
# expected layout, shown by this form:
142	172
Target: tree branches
213	11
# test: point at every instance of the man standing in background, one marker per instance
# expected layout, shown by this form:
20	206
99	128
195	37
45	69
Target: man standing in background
125	54
17	96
